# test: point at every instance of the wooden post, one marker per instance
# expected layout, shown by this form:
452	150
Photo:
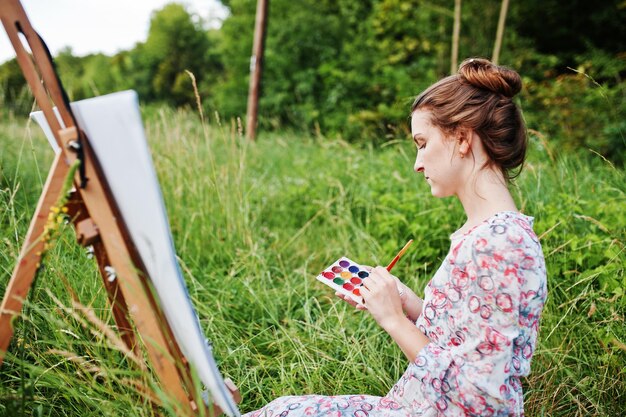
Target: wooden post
454	57
256	68
500	33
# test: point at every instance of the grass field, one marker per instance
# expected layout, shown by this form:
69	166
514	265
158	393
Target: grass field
253	224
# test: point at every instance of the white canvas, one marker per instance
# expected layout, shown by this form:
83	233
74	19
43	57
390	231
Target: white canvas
115	131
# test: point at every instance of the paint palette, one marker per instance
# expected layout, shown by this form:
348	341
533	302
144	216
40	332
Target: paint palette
345	276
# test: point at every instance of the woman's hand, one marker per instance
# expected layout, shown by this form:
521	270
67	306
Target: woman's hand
350	301
386	298
411	303
382	297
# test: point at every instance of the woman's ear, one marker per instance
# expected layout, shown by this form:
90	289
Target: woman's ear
466	136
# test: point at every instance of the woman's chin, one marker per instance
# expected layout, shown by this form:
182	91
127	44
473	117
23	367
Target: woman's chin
439	193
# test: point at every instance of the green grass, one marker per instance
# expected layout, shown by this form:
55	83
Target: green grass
253	224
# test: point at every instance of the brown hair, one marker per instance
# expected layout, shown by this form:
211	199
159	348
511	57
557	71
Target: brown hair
479	97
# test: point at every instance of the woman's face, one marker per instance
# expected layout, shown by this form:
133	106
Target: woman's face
437	156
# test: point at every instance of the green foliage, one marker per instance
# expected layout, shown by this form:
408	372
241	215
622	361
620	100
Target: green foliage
176	42
350	68
568	28
336	66
83	77
14	93
253	223
574	112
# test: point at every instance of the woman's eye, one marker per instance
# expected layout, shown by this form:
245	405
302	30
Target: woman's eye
419	143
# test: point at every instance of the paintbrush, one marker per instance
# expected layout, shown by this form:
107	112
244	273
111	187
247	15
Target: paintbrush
395	259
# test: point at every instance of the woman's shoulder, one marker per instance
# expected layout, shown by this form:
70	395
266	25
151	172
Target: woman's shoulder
505	242
507	230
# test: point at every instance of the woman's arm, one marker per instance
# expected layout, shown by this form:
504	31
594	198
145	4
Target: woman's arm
380	292
409	338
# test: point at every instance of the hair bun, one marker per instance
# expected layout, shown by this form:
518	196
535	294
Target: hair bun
482	73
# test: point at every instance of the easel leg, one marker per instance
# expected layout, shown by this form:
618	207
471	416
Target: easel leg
30	256
116	299
77	211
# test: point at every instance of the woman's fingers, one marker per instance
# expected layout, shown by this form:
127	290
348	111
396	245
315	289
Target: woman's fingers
349	300
380	282
379	276
382	278
344	298
380	292
364	291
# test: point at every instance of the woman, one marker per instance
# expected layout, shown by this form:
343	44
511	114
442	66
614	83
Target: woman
472	337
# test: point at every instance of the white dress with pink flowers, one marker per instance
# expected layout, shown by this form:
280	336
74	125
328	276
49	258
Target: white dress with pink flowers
481	313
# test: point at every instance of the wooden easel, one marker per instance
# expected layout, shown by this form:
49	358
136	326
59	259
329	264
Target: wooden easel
97	222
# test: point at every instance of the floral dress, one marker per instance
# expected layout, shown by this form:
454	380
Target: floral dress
481	313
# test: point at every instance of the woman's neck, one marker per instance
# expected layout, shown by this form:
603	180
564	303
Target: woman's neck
483	196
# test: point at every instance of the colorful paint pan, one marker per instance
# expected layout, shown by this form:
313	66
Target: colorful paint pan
346	277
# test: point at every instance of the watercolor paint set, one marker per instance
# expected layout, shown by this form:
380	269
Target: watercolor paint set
345	276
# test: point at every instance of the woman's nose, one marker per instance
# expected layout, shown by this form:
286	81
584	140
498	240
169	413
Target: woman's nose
419	165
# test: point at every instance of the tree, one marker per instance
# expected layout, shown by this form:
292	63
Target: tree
176	42
14	93
571	28
342	65
498	44
454	61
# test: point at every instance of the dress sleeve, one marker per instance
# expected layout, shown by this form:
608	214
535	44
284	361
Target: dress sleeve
468	362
